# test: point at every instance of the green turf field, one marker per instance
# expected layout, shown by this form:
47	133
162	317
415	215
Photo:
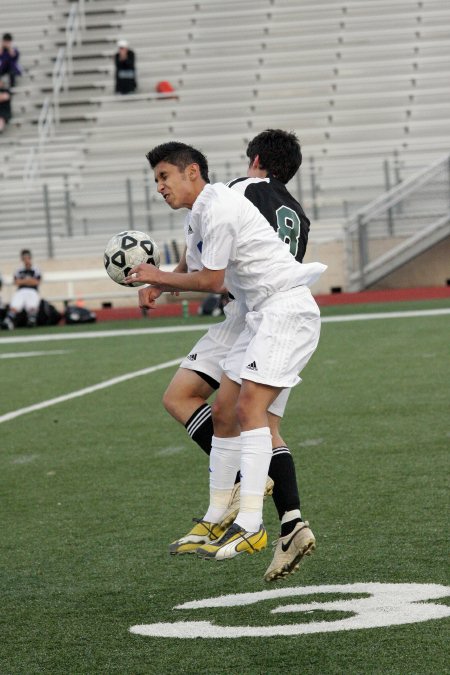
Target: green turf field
95	487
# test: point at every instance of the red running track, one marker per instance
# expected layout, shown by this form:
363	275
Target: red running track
389	295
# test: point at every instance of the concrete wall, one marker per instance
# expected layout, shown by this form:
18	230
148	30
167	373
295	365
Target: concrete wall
431	268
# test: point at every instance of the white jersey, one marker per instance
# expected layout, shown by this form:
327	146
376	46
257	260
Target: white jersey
224	230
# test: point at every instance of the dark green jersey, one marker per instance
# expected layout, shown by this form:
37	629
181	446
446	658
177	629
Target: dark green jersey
280	208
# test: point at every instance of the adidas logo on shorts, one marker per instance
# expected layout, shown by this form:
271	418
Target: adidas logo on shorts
252	366
190	230
192	357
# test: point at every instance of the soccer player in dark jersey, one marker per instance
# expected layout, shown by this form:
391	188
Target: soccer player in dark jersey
274	158
26	297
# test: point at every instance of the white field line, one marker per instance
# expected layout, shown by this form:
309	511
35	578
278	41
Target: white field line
408	314
87	335
87	390
167	364
22	355
204	327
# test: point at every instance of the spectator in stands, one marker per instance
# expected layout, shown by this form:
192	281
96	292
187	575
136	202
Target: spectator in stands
5	105
9	59
125	63
26	297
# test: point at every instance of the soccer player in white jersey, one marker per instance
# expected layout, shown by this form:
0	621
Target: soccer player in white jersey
274	158
230	244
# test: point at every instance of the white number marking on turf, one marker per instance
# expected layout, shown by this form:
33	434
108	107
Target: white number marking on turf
387	605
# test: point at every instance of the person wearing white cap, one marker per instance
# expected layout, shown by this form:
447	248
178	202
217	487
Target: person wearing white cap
125	65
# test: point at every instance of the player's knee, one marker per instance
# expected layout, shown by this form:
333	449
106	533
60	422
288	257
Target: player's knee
250	412
217	414
242	413
224	420
245	409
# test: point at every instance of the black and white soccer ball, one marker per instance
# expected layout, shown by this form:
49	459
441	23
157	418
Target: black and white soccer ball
126	250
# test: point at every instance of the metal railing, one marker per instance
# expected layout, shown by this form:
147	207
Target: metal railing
398	225
76	24
86	204
49	114
60	79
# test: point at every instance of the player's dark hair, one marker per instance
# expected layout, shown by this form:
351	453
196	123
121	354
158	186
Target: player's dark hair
279	153
25	251
7	37
180	155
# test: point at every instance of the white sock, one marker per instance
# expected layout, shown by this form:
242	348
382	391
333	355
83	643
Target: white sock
223	467
256	453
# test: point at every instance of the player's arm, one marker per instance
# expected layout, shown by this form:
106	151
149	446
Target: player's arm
149	294
182	267
204	280
218	237
29	282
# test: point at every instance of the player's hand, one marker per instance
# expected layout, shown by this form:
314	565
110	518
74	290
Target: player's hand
148	296
145	273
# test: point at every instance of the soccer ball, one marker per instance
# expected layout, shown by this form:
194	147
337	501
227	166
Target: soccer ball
126	250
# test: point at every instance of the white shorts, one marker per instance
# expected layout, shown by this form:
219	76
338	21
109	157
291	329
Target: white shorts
278	340
208	353
25	298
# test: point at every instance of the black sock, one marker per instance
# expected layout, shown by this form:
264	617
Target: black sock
282	472
200	427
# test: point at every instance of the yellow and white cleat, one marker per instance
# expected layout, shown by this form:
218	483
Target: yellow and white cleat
202	533
234	541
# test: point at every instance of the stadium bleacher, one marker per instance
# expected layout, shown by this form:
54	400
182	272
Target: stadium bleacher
364	83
